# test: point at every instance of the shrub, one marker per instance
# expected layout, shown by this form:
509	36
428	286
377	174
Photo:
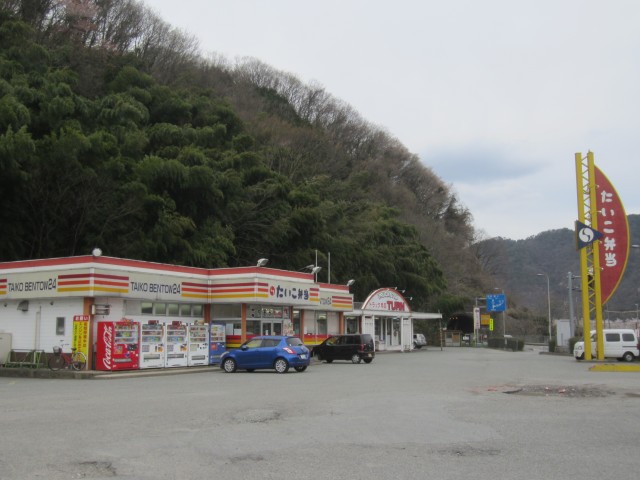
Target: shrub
502	343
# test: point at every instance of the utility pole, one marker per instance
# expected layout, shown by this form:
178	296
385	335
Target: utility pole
570	278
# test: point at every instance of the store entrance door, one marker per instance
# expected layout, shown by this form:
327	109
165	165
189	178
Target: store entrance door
271	328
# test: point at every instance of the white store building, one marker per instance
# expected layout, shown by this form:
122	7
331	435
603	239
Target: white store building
60	301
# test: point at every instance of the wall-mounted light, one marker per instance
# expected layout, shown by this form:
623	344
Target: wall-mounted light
262	262
350	282
96	252
23	306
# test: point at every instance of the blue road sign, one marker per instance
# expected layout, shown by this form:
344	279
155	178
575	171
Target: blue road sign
496	303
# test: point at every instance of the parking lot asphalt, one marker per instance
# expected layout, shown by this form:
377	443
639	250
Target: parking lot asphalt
594	365
446	414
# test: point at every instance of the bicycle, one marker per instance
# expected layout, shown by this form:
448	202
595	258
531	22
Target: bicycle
75	361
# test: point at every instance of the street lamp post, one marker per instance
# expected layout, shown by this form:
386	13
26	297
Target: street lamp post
637	311
548	299
504	322
571	310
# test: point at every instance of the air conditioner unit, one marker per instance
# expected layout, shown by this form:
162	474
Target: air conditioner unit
100	309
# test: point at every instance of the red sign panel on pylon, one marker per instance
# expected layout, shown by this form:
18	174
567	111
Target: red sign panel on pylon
614	246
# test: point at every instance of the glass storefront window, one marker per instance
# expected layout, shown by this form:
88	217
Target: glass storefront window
396	331
135	307
267	311
333	326
351	324
173	309
277	328
227	311
321	323
296	322
60	321
233	328
253	327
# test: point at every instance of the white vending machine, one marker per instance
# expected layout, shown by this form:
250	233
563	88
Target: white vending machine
176	344
198	345
152	345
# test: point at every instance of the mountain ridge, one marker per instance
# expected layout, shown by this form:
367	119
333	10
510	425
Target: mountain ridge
515	265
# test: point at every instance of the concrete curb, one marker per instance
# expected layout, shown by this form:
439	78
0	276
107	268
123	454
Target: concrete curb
102	375
612	367
108	375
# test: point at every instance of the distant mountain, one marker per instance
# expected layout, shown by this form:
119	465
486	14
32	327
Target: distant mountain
515	265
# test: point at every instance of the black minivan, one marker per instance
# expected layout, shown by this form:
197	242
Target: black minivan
357	347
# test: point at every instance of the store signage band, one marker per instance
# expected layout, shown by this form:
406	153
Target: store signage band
168	288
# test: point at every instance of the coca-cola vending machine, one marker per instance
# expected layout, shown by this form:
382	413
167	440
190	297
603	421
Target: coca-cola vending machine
117	345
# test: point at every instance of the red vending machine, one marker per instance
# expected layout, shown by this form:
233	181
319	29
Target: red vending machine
117	346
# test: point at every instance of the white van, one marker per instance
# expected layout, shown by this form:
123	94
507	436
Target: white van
419	341
618	343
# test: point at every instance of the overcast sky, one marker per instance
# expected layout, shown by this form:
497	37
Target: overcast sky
495	96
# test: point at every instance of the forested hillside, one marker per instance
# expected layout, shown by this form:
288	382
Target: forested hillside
117	132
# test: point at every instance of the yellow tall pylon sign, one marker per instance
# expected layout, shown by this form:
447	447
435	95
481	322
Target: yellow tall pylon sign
589	253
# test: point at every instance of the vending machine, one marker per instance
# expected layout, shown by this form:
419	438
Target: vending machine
198	345
217	343
176	343
152	344
117	345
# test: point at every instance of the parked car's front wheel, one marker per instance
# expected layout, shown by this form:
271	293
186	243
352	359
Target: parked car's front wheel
281	365
301	368
229	365
355	358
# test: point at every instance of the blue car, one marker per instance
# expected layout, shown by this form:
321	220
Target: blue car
272	351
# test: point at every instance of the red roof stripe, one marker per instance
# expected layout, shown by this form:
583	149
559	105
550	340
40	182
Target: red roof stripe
75	282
